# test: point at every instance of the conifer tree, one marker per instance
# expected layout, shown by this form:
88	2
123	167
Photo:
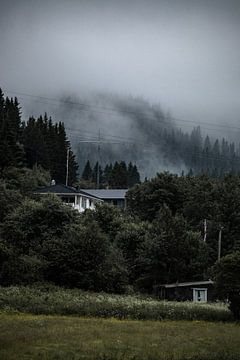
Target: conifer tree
133	175
11	150
118	178
87	172
46	144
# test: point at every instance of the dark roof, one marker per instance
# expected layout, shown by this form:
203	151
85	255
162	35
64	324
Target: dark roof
61	189
56	189
191	283
107	194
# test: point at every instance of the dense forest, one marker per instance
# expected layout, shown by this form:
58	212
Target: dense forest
114	176
38	142
160	238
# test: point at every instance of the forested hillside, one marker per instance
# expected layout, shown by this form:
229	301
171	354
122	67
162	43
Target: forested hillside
160	238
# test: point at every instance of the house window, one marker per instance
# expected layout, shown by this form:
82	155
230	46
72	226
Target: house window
200	295
68	199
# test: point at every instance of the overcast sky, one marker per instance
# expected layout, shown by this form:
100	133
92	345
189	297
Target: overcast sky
183	54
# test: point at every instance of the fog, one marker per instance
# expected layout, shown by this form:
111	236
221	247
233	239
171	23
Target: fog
182	54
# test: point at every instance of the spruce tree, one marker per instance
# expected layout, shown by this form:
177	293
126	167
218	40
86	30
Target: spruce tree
87	173
11	150
133	175
119	178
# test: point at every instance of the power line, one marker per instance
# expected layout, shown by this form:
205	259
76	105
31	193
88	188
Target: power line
221	158
94	108
120	139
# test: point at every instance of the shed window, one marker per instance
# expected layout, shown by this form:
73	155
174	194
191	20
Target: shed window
200	295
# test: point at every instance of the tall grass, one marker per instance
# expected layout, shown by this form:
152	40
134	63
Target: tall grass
54	300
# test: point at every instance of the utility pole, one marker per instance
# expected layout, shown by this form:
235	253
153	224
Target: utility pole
67	167
205	230
98	161
220	242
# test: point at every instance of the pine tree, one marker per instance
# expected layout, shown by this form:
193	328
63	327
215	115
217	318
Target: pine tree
87	173
11	150
119	178
133	175
46	144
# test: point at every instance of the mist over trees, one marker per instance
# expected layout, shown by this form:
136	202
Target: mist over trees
133	130
108	128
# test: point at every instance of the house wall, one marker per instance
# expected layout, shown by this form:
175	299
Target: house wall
79	202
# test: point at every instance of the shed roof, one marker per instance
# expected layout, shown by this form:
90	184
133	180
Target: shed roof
191	283
107	194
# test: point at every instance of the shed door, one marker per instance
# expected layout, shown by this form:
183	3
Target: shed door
200	295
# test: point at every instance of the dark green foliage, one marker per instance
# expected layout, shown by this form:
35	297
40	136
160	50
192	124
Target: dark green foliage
76	258
130	238
147	199
227	281
25	180
108	217
133	175
46	240
170	253
31	223
83	257
229	213
38	142
23	269
11	150
9	199
87	172
117	176
46	144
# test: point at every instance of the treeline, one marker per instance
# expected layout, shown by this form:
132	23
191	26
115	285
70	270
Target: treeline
153	140
202	155
115	176
36	142
159	239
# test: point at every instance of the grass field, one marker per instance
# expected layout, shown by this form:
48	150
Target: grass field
25	336
58	301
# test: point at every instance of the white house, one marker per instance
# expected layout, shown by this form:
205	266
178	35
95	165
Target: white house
78	199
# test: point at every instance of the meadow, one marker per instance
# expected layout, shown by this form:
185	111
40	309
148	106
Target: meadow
48	322
48	337
51	300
